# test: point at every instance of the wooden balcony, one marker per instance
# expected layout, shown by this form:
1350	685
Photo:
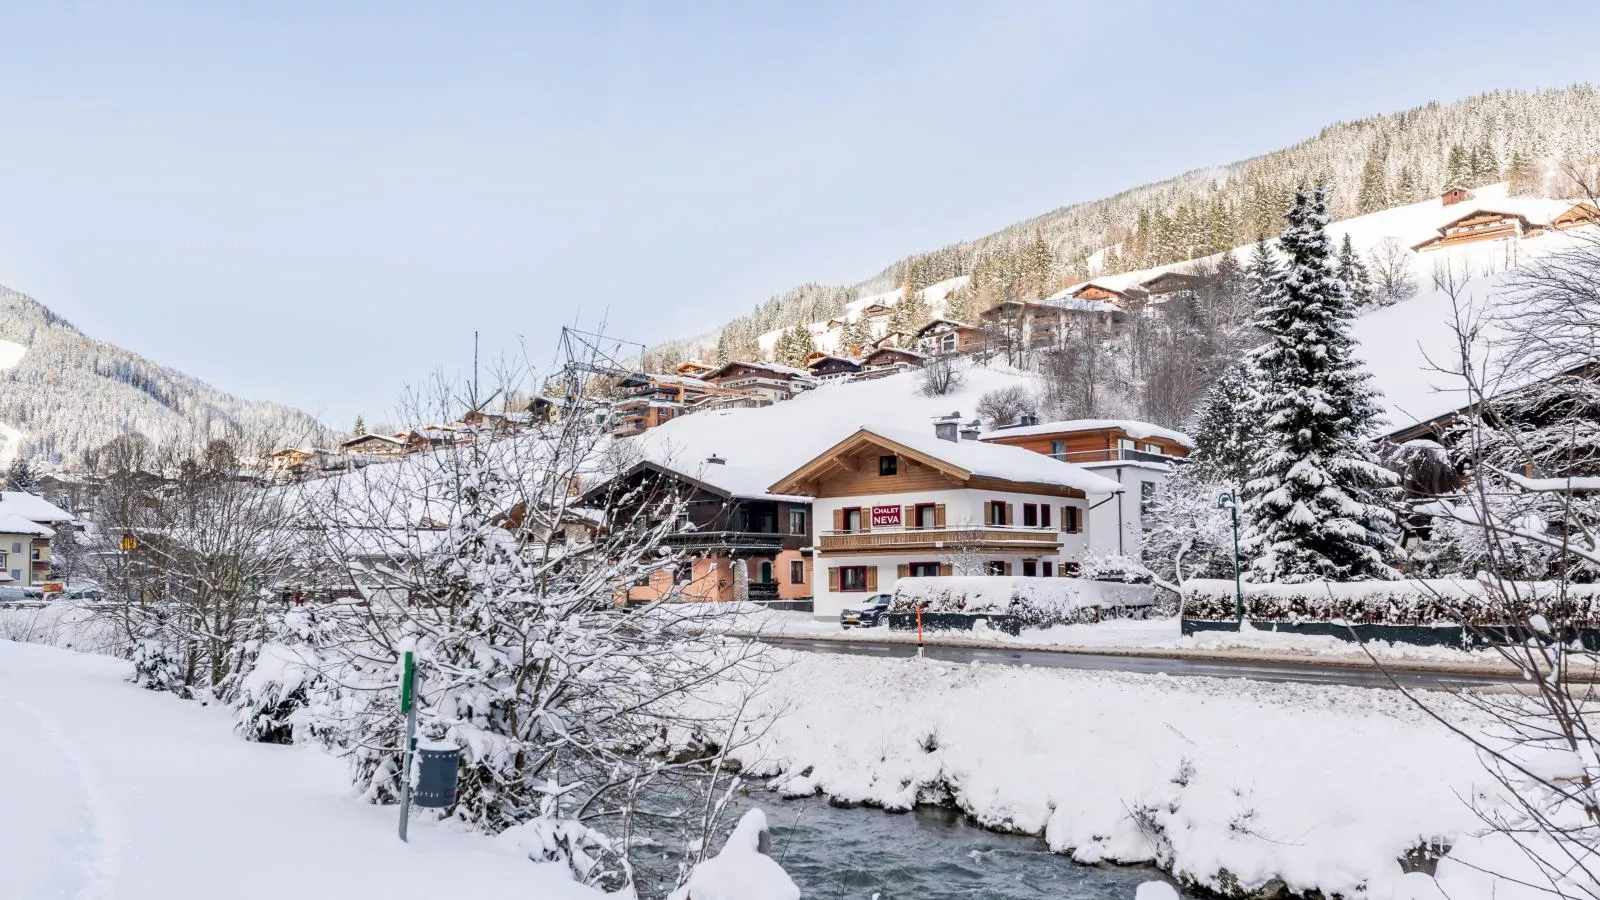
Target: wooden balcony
980	539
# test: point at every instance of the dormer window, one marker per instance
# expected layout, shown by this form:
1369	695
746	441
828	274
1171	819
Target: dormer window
888	465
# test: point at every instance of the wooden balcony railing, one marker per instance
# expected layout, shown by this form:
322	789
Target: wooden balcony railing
1114	454
988	537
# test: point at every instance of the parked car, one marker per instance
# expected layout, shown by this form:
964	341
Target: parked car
872	613
10	593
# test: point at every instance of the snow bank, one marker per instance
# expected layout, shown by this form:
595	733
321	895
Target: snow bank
64	624
744	870
11	353
1038	602
1228	784
1413	602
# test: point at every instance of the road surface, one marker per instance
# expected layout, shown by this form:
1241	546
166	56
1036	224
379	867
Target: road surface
1308	672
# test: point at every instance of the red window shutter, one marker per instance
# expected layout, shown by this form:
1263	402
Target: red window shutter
872	578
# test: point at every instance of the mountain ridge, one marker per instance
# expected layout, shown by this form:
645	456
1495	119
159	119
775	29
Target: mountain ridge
1375	162
64	393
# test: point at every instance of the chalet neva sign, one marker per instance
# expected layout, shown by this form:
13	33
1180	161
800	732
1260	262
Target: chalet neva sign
884	516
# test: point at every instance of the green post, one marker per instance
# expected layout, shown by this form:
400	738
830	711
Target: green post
408	706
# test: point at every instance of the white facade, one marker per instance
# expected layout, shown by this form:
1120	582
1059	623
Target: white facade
972	539
1116	526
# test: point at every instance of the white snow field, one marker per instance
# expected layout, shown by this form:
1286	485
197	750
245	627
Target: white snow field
1321	787
11	353
115	792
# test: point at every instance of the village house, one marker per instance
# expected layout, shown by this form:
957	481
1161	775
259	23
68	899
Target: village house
374	445
889	360
693	368
945	336
27	524
1032	325
650	400
893	504
740	541
1138	456
1508	219
825	367
289	460
773	381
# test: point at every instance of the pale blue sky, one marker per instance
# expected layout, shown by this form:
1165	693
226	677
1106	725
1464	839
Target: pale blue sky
318	203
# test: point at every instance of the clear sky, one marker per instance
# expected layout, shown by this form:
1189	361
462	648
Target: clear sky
318	203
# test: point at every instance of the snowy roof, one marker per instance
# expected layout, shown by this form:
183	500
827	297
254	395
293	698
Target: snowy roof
1133	428
741	482
777	368
31	508
14	524
989	461
372	437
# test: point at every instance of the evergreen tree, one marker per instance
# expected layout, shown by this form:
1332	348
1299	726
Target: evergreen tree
1458	168
910	313
360	427
1262	277
794	345
1374	194
1357	280
22	476
1485	165
855	338
1224	431
1523	176
1407	190
1313	509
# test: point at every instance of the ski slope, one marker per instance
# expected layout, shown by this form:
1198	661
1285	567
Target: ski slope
11	353
121	793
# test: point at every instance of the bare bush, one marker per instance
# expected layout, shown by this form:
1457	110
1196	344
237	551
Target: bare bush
1004	406
941	375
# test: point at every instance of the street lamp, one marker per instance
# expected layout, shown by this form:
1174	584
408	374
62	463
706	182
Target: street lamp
1230	502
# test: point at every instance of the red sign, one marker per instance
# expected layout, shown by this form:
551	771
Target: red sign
883	516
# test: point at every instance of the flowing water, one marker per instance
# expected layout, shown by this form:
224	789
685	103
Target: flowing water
929	854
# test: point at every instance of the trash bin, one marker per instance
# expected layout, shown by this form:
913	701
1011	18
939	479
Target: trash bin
437	766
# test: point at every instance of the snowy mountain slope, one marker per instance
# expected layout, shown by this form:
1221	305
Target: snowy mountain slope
827	339
65	393
1375	162
11	353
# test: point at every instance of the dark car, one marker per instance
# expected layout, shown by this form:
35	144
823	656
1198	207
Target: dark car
869	614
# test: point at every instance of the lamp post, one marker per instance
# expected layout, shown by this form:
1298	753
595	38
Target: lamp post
1230	502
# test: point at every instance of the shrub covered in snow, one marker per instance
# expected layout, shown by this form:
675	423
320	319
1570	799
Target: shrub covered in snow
1414	602
276	700
1038	602
743	870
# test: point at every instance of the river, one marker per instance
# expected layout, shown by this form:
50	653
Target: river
929	854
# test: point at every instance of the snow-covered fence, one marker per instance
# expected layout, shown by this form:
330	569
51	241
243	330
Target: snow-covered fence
1037	602
1424	602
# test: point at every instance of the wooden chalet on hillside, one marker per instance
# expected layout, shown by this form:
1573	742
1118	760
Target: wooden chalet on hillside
826	367
1506	223
741	541
774	381
651	400
943	336
888	361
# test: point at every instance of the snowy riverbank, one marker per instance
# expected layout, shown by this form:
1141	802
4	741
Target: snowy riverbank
1232	785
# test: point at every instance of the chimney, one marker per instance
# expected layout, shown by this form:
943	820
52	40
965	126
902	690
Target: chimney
715	460
1027	420
971	430
945	427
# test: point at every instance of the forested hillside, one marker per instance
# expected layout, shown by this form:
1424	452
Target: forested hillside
65	393
1372	164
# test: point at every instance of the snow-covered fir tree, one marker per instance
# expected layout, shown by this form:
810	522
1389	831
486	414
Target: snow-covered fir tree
1225	431
359	428
1353	271
22	476
1263	278
1314	507
793	346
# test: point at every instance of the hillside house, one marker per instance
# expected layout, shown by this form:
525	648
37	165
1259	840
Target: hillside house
892	504
27	524
1454	195
1513	219
374	445
1104	293
896	339
876	311
289	460
943	336
1169	284
889	360
824	367
773	381
693	368
650	400
1033	325
740	540
1139	456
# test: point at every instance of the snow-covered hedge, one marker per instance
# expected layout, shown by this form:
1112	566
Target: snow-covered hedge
1413	602
1038	602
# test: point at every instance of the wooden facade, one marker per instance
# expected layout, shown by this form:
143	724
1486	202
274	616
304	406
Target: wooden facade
892	356
1092	291
1481	225
833	366
1107	443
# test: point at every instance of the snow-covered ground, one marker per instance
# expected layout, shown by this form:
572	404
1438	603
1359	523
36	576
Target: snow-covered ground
11	353
121	793
1321	787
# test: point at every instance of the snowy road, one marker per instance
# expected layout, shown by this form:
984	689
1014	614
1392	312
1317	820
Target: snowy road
114	793
1309	672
